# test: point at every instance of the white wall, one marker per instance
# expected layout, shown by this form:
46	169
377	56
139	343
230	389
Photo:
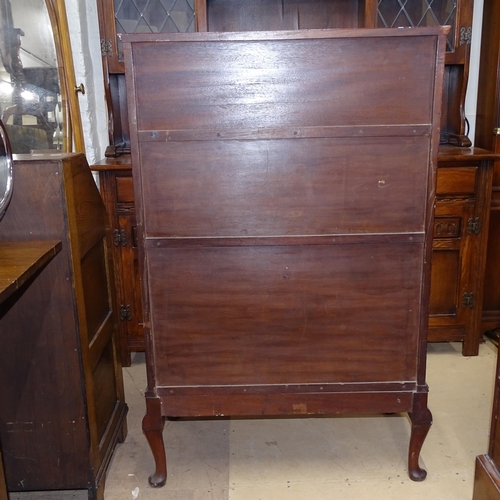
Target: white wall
471	98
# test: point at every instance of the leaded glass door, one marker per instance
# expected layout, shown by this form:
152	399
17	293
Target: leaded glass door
143	16
417	13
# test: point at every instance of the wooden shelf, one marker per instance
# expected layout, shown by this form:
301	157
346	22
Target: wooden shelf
21	260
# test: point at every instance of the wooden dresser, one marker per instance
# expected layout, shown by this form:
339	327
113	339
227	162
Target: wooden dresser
455	299
19	262
464	181
62	406
285	189
460	238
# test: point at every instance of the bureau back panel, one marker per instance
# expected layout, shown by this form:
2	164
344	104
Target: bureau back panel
285	187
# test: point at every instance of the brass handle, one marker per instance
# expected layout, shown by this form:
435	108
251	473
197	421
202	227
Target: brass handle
496	131
80	88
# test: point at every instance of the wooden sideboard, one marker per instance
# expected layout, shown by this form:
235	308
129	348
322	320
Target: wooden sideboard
449	319
117	191
62	407
460	233
460	238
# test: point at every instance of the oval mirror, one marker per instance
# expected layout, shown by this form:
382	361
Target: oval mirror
32	96
6	180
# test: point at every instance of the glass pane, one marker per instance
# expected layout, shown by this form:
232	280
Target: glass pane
414	13
154	16
30	94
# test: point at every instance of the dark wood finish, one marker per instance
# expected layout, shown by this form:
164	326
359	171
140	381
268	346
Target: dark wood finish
117	191
3	485
464	179
284	192
240	15
18	263
487	478
460	236
62	408
487	136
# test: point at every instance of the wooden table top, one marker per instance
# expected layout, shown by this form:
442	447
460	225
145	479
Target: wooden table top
20	260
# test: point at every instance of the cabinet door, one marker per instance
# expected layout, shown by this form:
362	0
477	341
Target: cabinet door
455	13
117	192
452	299
131	303
458	15
459	247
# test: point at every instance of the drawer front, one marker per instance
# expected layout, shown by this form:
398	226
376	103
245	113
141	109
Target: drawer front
124	190
456	181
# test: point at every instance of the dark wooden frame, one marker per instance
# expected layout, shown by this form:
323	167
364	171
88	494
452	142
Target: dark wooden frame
487	474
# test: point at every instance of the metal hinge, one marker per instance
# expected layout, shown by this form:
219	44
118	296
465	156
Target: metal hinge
119	237
473	225
465	35
125	313
468	300
106	48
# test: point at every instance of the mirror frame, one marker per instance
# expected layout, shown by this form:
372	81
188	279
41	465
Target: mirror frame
5	193
73	140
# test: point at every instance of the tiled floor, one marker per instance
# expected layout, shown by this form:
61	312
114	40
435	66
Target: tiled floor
339	458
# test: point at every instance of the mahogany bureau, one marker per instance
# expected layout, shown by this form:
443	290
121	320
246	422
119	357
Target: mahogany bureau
284	191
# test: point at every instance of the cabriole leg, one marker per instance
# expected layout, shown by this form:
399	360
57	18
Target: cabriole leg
421	421
152	426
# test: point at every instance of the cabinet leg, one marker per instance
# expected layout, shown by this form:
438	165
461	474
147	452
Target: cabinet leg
152	426
421	421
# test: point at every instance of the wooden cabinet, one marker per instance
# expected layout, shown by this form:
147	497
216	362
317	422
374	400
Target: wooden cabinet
62	406
117	190
464	179
487	476
459	245
488	136
138	16
449	319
